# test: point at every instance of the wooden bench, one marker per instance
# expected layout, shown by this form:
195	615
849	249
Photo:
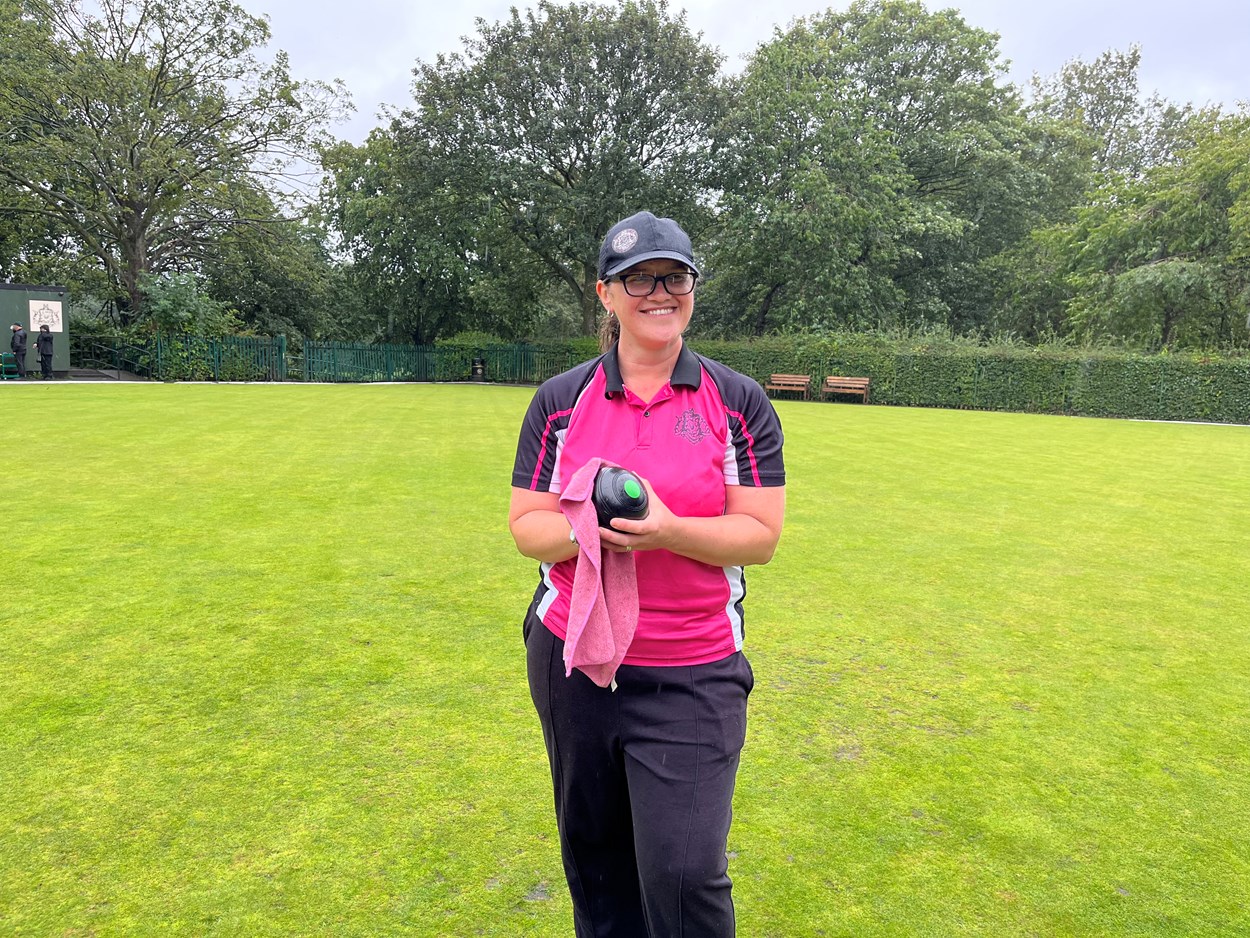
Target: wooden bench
835	384
800	383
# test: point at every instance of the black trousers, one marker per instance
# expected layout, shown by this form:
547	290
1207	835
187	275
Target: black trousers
45	365
644	780
19	358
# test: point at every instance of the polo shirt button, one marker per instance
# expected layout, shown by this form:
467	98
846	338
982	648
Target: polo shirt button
646	413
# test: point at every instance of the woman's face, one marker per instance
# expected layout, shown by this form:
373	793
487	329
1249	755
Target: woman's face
652	322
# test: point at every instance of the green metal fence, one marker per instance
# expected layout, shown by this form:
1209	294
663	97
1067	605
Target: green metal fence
525	364
345	362
226	358
185	358
108	355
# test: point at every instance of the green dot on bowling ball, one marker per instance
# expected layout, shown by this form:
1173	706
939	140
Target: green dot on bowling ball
632	488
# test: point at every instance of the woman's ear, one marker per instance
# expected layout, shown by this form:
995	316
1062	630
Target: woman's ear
601	288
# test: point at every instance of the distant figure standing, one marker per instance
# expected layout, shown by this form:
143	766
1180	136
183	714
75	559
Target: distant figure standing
43	342
17	344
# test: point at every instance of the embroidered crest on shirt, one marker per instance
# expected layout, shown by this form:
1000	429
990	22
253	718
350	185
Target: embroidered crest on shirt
692	427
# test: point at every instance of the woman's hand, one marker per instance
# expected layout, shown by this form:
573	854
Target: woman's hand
647	533
747	533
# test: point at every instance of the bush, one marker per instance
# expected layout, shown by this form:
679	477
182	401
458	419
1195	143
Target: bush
940	372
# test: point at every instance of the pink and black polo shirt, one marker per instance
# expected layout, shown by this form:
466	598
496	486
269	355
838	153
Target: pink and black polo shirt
709	427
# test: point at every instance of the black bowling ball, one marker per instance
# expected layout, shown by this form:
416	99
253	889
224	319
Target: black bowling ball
618	493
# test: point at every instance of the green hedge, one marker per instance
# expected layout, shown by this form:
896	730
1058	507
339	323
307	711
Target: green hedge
945	373
917	372
936	372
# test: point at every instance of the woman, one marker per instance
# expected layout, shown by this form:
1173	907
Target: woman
43	343
644	771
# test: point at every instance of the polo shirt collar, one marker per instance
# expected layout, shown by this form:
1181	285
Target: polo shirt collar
687	371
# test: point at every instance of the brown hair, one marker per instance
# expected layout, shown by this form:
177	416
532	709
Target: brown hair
609	331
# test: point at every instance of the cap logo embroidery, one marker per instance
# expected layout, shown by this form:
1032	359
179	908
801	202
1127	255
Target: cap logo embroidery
624	240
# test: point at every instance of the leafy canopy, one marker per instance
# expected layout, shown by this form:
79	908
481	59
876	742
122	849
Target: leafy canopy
145	127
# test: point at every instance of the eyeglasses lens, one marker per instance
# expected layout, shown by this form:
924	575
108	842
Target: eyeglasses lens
676	284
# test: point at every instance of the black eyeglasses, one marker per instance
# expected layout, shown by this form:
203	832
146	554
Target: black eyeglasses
678	283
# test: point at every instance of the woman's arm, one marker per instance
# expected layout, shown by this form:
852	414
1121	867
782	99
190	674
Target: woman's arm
539	527
747	533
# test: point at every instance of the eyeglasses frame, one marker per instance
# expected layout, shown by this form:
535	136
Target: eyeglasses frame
663	278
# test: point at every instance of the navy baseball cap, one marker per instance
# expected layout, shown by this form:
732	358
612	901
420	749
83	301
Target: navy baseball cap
643	237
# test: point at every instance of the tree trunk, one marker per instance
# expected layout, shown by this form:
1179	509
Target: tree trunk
1170	318
762	317
591	306
134	251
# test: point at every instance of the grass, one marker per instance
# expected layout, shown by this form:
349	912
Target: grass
262	673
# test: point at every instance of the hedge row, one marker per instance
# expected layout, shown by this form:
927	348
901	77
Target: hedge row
1050	380
1031	380
907	372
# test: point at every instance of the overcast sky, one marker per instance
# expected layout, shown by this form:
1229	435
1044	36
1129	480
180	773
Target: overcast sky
1196	51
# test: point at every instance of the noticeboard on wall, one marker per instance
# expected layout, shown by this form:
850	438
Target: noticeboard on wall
46	313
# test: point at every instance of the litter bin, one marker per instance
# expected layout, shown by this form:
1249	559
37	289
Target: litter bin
478	370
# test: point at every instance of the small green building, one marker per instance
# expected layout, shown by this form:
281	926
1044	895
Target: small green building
34	306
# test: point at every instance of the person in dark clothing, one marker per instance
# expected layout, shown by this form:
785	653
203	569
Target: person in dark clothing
17	344
43	342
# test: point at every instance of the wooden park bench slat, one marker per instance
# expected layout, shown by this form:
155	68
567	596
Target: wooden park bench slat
836	384
800	383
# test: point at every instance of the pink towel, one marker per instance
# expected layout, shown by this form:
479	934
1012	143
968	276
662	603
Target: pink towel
603	611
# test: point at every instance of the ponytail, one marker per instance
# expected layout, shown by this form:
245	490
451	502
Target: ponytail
609	331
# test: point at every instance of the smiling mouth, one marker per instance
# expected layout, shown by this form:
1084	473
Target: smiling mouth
659	311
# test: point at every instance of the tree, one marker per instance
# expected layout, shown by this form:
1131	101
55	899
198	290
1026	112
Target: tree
894	171
278	276
548	127
1119	131
144	129
25	236
1092	134
808	221
414	253
1163	261
178	304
